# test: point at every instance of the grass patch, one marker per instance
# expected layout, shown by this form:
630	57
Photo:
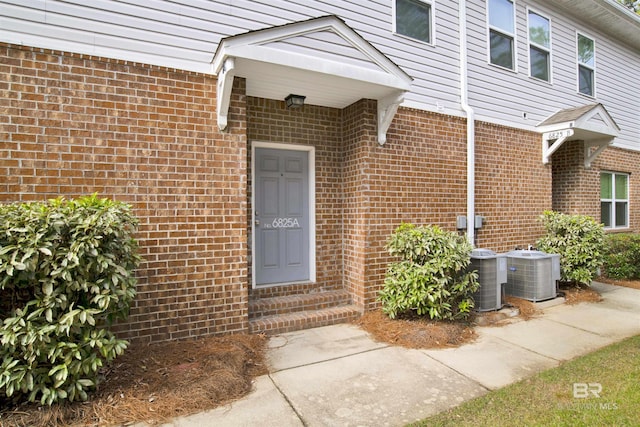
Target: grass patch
548	397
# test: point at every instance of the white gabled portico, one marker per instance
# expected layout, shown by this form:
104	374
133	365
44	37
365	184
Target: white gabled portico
589	123
322	59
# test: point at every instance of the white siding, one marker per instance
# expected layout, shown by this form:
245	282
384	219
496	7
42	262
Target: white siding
504	96
184	34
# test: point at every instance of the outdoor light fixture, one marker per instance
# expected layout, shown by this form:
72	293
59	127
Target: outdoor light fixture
294	101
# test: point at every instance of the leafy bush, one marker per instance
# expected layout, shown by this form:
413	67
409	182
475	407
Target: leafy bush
66	272
622	256
432	277
579	240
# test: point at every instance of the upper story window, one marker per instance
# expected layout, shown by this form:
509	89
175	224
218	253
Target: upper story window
614	200
586	65
539	47
414	19
502	33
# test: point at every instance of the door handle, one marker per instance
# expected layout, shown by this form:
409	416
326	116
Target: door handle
257	222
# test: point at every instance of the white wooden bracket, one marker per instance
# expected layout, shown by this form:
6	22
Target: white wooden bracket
387	108
599	145
551	141
224	87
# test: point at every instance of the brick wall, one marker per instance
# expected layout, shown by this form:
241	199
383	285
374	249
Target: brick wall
624	161
359	133
577	189
145	135
364	191
418	176
73	125
513	186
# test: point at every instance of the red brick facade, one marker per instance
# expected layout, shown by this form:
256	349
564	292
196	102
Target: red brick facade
513	186
73	125
576	189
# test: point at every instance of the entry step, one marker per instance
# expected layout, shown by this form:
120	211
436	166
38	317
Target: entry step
262	307
280	323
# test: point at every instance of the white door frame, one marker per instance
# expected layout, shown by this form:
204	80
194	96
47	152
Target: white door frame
311	153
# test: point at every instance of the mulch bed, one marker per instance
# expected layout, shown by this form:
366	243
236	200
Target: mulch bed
419	332
575	294
157	382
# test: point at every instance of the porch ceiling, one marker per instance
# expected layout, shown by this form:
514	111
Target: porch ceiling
322	59
275	81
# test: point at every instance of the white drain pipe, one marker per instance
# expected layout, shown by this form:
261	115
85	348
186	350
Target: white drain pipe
471	139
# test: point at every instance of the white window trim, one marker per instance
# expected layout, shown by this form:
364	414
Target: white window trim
614	200
537	46
578	64
501	31
311	150
432	30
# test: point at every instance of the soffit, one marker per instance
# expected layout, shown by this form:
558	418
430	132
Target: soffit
608	16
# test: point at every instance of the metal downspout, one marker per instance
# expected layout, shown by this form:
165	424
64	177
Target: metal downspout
471	141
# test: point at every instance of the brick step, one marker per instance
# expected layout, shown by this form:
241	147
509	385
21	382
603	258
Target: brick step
262	307
277	324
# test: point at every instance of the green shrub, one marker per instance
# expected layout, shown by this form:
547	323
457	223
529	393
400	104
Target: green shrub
622	256
66	272
432	277
579	240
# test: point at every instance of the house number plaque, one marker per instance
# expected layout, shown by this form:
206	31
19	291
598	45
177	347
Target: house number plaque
283	223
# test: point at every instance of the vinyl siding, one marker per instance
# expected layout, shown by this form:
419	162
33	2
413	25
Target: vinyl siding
505	96
185	34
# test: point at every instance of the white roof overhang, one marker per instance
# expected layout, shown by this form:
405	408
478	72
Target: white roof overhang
589	123
608	16
322	59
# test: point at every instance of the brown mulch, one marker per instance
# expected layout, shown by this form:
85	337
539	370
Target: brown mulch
154	383
575	294
415	332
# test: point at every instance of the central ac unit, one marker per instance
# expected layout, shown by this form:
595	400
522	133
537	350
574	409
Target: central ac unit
532	275
492	273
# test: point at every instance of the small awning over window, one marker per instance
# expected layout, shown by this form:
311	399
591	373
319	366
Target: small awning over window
322	59
589	123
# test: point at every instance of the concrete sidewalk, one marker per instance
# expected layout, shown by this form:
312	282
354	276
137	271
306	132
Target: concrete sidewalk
339	376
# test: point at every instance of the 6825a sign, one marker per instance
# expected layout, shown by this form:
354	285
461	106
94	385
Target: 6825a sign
283	223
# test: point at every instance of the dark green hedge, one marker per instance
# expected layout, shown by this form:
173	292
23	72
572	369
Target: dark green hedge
622	256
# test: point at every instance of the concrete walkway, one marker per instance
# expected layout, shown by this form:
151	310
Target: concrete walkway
339	376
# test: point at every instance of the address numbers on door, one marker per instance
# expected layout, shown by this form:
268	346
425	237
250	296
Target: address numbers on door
283	223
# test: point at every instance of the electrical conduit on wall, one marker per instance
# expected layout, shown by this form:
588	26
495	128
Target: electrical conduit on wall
464	103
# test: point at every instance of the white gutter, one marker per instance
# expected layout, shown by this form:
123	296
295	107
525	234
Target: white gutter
471	139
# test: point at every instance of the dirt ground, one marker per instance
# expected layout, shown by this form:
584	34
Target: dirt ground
154	383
